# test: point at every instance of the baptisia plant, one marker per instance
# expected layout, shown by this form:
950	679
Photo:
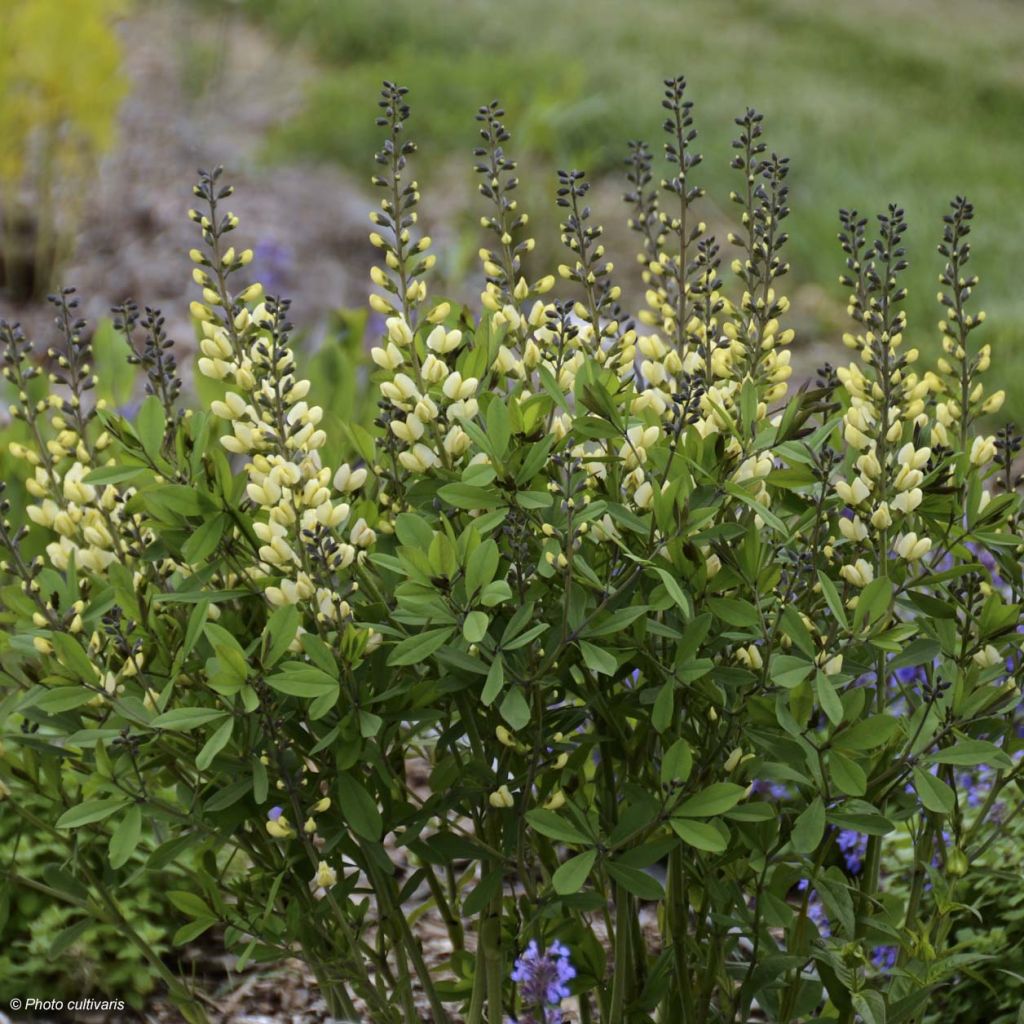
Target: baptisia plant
569	684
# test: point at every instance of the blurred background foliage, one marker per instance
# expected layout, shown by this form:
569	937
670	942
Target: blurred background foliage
61	87
911	101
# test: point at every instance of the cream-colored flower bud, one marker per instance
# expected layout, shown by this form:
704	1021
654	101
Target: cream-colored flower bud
644	495
855	493
388	358
859	574
326	876
501	798
399	331
907	501
987	657
983	450
994	402
853	529
911	547
881	518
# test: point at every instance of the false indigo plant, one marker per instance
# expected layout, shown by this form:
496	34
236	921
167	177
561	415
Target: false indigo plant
604	644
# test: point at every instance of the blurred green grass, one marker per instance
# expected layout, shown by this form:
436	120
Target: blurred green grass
905	100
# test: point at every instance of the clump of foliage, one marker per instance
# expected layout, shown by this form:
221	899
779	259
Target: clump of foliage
60	76
49	942
596	655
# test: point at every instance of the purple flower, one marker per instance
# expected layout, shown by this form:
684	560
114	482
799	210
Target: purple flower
816	909
773	790
543	980
884	957
274	813
910	675
853	846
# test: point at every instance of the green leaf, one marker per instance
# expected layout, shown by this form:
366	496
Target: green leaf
198	596
788	671
971	752
499	429
68	937
496	592
150	426
699	834
126	837
597	659
735	612
296	679
828	698
488	887
481	566
495	682
809	827
214	745
514	709
870	1005
190	903
873	601
462	495
793	626
116	474
635	881
190	932
760	810
63	698
828	588
413	532
279	634
474	629
90	811
228	795
868	733
184	719
524	638
675	591
73	657
848	776
571	875
178	499
861	817
677	763
934	793
419	646
554	826
359	808
717	798
203	542
918	652
662	712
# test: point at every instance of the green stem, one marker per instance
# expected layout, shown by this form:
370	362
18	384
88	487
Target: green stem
678	911
620	954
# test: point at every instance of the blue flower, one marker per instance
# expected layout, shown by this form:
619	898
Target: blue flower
543	980
816	910
853	846
884	957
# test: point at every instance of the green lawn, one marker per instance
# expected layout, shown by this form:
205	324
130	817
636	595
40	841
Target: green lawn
907	100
